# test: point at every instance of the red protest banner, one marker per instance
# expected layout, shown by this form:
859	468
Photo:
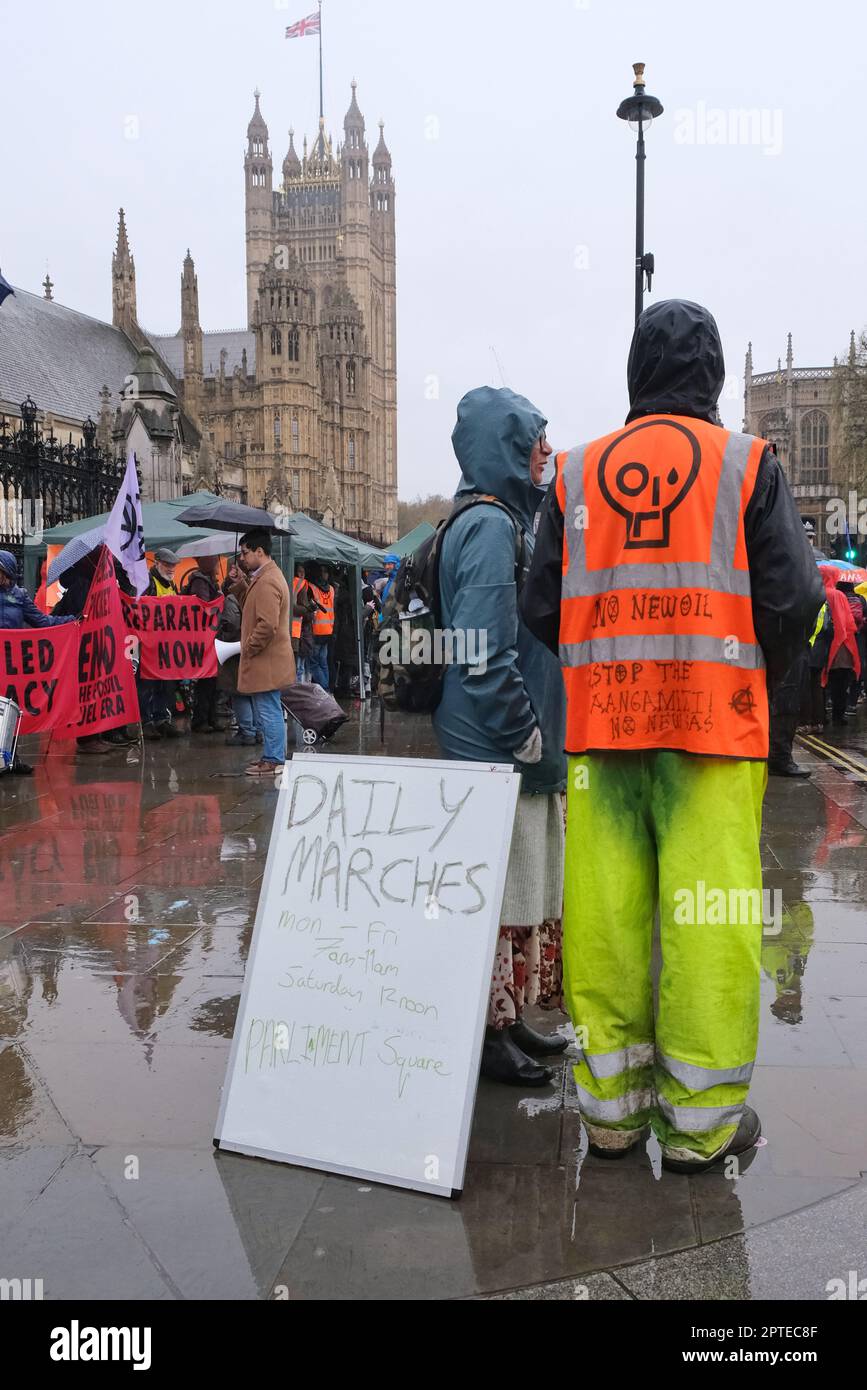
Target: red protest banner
37	671
176	636
105	689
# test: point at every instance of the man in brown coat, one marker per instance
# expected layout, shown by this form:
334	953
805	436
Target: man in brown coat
267	663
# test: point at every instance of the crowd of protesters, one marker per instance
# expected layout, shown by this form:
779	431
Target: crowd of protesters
660	734
316	645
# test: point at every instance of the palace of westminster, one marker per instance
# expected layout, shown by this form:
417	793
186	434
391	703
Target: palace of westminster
298	409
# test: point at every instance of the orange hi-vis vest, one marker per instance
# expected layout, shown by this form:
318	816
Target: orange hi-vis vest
323	623
296	622
657	640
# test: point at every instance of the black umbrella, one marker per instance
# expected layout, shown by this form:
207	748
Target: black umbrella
233	516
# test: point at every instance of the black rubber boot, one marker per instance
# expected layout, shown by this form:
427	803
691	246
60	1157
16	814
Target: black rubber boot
745	1137
537	1044
789	769
503	1060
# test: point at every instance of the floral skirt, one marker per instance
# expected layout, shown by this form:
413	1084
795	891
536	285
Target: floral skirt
528	969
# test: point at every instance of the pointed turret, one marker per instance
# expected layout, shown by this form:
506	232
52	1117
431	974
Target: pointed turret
852	350
123	279
104	423
382	154
291	164
257	129
189	293
382	193
191	333
355	204
258	185
353	121
789	354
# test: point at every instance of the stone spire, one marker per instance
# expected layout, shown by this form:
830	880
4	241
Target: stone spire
258	185
47	286
291	164
790	382
852	350
191	333
382	154
123	280
104	423
353	118
257	127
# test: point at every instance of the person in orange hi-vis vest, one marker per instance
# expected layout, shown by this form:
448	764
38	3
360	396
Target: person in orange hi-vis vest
302	638
672	574
323	628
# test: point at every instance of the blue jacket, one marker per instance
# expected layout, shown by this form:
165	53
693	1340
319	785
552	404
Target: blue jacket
485	717
17	610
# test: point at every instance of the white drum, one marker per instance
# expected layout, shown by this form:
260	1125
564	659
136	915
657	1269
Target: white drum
10	718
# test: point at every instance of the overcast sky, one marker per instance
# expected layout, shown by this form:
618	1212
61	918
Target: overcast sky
515	181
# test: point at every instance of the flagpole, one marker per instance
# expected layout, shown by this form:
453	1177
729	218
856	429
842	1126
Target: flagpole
321	98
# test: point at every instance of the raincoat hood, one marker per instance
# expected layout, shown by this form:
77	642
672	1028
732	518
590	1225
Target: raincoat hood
493	440
8	564
676	363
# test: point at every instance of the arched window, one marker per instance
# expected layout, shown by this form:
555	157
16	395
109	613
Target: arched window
276	342
350	378
351	452
278	432
814	447
296	442
294	343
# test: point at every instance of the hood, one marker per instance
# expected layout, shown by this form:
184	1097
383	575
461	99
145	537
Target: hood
676	364
493	441
9	565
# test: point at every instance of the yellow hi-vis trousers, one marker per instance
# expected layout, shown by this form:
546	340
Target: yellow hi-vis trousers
680	833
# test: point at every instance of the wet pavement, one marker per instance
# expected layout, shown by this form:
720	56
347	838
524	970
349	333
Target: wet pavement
128	889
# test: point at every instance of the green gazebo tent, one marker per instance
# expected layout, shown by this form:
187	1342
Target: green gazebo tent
413	539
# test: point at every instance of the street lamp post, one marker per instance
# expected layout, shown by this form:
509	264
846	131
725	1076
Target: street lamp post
640	110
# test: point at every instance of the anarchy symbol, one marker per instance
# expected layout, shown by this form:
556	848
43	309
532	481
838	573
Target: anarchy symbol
310	737
743	702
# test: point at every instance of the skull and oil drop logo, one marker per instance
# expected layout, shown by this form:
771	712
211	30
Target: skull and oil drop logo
646	486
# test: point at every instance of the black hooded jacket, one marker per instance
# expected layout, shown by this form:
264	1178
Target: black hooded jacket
676	367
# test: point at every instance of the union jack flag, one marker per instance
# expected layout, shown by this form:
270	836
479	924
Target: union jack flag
310	25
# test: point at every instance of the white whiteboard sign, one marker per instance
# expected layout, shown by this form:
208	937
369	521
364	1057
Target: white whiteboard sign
359	1033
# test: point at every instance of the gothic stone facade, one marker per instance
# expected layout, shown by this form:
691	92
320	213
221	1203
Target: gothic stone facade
793	408
301	407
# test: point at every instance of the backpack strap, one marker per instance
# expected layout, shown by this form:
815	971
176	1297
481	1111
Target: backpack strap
484	498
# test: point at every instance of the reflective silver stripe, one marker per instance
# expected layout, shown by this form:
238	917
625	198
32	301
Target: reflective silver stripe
718	575
573	480
665	647
699	1119
578	584
703	1078
727	514
609	1111
603	1065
